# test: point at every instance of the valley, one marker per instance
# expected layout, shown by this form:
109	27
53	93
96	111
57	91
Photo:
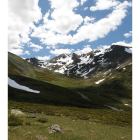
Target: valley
93	91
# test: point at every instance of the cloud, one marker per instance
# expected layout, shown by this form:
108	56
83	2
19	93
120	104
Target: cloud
61	51
85	50
52	34
85	8
49	37
36	48
128	34
123	43
88	20
103	47
19	52
63	19
104	5
21	15
43	57
83	1
49	47
101	28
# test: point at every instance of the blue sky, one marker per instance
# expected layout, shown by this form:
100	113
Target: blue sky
46	28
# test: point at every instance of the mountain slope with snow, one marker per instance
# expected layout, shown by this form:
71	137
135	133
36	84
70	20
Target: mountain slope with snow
93	63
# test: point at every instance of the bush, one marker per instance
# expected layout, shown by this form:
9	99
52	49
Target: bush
14	120
27	123
43	120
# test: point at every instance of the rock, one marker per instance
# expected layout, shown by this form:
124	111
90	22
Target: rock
17	112
31	116
55	128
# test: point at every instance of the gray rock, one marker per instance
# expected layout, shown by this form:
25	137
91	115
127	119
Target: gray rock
17	112
55	128
31	116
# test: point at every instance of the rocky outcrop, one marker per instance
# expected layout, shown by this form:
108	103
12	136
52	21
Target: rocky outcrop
55	128
17	112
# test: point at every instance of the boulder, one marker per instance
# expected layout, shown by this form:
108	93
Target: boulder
17	112
55	128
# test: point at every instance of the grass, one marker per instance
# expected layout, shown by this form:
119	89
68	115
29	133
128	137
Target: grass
73	130
106	116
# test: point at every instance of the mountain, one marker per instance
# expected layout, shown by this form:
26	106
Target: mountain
107	73
35	61
24	75
96	62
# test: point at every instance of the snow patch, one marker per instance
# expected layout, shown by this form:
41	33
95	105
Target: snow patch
13	84
129	50
125	104
103	51
85	73
85	77
99	81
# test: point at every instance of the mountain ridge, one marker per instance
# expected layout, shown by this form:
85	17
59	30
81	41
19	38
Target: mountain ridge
91	63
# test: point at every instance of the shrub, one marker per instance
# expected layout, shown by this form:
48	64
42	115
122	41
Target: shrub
27	123
43	120
14	120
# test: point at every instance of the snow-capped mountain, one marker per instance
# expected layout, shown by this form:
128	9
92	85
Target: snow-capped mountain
93	63
35	61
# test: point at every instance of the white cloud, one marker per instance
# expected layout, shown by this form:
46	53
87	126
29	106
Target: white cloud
85	8
21	15
123	43
51	34
43	58
102	27
128	34
49	47
49	37
64	19
19	52
61	51
88	20
83	1
36	48
85	50
104	5
66	4
103	47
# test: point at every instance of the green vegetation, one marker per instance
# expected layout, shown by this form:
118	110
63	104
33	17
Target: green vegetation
14	120
72	129
43	120
107	116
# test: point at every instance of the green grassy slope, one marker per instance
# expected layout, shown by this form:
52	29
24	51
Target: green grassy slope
72	129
